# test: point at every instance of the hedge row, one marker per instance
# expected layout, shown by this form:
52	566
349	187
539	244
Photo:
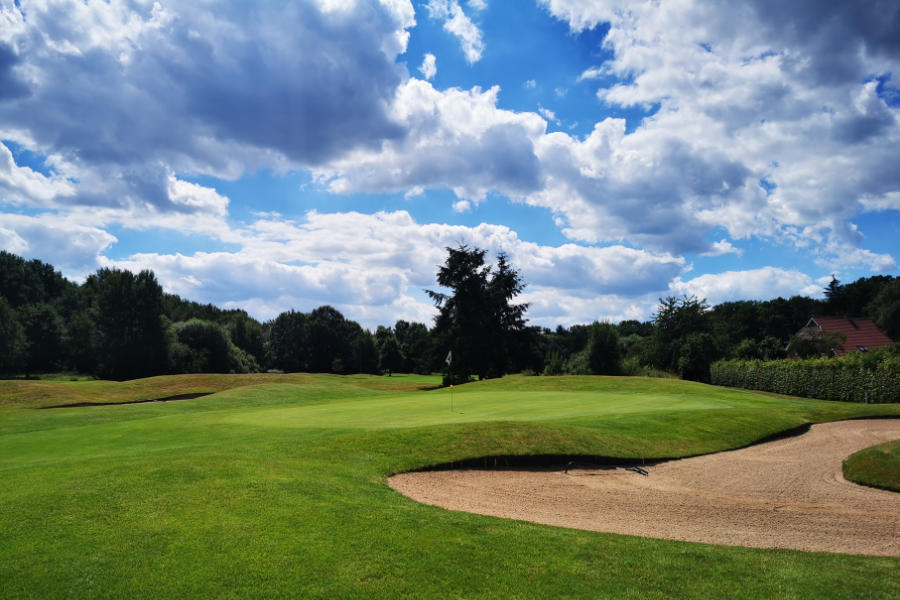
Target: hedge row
851	378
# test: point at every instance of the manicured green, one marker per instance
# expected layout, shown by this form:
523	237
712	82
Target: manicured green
275	487
878	466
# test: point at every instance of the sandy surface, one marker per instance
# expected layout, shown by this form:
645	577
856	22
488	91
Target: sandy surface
784	494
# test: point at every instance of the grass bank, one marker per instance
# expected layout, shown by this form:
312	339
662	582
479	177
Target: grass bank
878	466
274	486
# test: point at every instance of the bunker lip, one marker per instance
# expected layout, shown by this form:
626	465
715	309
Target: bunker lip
562	461
165	399
788	493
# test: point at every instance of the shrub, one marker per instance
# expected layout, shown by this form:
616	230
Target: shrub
872	377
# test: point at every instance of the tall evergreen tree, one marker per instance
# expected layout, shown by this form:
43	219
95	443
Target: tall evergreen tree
477	321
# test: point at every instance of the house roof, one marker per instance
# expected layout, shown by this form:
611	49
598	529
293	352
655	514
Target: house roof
862	334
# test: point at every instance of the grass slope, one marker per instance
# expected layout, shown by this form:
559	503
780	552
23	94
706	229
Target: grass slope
275	487
878	466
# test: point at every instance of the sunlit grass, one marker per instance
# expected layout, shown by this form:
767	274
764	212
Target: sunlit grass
274	486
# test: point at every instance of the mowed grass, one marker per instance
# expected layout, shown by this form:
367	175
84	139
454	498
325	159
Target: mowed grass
878	466
274	486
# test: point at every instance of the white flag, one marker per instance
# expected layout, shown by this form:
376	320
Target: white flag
449	358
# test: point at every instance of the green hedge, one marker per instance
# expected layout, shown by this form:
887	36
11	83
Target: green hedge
856	377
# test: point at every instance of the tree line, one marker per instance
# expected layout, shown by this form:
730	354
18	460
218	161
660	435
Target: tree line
121	325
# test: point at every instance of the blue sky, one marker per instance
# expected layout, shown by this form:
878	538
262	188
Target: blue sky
284	155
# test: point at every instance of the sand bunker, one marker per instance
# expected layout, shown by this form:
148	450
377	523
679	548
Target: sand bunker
788	493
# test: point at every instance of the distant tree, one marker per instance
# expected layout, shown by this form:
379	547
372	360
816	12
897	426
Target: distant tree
556	365
12	340
604	354
834	297
416	347
330	339
43	330
364	352
816	343
695	353
80	342
132	340
682	342
634	327
29	282
202	347
288	347
389	357
247	334
477	321
885	309
858	295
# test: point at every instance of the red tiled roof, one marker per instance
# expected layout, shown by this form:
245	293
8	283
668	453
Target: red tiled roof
861	333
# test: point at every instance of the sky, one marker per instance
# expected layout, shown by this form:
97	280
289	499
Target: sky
283	155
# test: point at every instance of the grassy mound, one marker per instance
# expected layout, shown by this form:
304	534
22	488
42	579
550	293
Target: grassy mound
878	466
274	486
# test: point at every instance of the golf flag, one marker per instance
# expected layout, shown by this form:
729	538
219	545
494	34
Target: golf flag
449	358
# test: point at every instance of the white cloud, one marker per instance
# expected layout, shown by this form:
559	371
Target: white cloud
429	66
373	268
120	95
530	84
25	186
196	198
592	73
549	115
72	248
755	284
457	139
722	247
737	93
462	206
457	23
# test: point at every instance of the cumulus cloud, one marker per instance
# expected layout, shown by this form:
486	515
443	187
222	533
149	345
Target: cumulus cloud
735	93
372	267
73	248
429	66
461	26
754	284
458	139
123	94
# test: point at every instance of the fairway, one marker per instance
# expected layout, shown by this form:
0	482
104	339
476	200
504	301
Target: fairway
275	486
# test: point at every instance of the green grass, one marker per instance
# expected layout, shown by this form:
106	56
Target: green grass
274	486
878	466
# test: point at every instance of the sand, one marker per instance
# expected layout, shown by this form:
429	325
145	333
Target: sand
788	493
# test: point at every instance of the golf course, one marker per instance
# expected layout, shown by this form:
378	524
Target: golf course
276	486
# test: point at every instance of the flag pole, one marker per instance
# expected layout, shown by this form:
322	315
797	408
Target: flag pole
449	360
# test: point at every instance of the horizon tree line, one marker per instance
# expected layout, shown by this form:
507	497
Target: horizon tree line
121	325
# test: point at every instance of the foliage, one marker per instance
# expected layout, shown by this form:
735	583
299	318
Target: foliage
555	364
872	377
815	342
389	357
43	329
681	340
477	321
12	339
204	347
885	309
128	314
604	354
